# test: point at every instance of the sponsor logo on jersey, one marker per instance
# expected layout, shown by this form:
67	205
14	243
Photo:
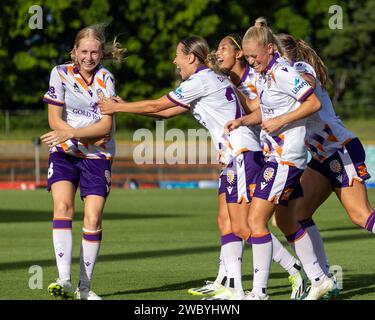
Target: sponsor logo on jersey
298	85
94	107
51	92
178	93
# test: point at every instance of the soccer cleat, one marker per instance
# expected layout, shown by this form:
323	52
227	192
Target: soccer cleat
228	294
61	289
211	288
251	295
334	292
86	294
317	292
299	285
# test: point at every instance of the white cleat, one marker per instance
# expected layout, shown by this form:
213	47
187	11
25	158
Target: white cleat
86	294
209	289
317	292
228	294
251	295
299	285
61	289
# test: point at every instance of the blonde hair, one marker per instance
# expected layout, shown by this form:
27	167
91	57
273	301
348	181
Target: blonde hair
261	33
112	51
299	50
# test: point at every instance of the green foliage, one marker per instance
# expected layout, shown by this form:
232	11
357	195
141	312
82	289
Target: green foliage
151	29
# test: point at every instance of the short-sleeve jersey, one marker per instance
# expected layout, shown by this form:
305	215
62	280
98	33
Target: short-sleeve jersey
79	100
247	87
325	131
281	90
213	102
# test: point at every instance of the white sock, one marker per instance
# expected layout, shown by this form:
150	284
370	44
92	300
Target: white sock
89	252
262	258
222	273
232	248
301	243
63	244
232	256
316	239
283	257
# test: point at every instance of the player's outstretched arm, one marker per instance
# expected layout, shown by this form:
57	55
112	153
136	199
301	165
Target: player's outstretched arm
110	106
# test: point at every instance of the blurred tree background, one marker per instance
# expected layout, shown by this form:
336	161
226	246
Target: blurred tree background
151	29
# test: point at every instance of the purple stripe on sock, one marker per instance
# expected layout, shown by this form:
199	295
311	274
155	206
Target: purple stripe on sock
295	236
62	224
231	237
249	241
93	236
370	222
307	223
261	240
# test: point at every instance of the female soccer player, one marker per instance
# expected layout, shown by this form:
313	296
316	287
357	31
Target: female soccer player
78	156
338	157
231	62
213	101
285	100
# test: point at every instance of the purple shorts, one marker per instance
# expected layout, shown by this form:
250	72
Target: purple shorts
240	176
93	176
222	180
344	166
279	183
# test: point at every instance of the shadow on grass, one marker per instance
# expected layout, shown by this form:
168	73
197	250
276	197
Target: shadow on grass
357	285
114	257
184	286
46	216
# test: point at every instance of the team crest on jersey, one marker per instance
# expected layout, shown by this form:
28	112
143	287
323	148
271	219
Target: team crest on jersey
268	174
100	93
335	166
230	176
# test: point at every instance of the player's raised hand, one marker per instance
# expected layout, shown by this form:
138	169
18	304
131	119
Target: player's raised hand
231	125
56	137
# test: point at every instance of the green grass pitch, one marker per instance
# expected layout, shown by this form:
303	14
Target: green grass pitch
158	243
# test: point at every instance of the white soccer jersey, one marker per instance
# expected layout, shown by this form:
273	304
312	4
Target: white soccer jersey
281	90
213	102
247	87
325	131
79	100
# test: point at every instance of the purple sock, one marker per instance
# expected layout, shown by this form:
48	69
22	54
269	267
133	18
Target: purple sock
370	223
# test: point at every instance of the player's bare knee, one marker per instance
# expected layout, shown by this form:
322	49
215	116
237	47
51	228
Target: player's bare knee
63	209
